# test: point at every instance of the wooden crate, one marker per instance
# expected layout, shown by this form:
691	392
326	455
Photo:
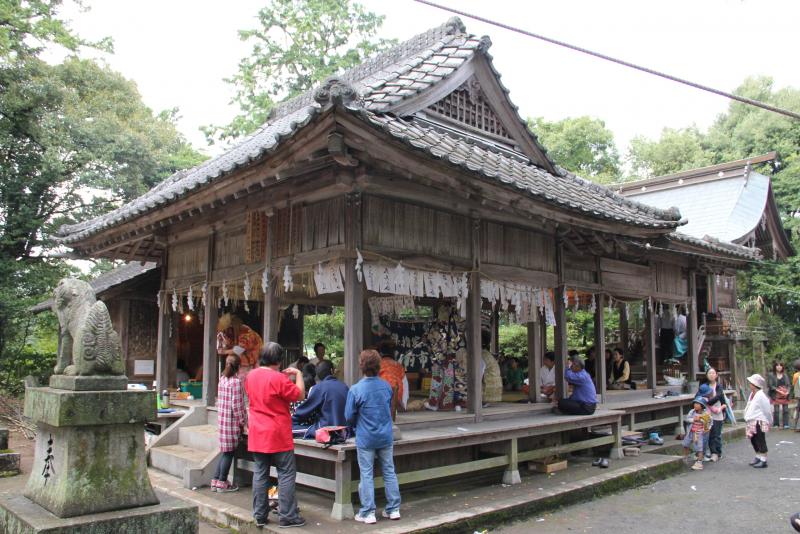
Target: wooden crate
550	466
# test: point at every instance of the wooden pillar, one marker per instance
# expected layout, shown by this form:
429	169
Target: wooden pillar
210	357
494	347
271	310
163	340
353	322
692	350
560	330
600	346
560	341
474	379
650	341
474	348
511	474
343	494
624	335
535	355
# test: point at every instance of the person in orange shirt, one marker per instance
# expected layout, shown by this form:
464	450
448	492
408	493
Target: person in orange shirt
394	373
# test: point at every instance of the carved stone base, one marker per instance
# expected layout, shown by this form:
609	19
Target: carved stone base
89	383
19	515
90	455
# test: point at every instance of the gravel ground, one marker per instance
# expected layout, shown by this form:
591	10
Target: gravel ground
728	496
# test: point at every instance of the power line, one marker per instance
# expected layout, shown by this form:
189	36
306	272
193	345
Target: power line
742	99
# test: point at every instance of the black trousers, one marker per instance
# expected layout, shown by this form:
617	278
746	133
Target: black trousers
715	438
573	407
759	441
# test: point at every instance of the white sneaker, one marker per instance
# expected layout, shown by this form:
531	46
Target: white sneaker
394	515
715	457
369	519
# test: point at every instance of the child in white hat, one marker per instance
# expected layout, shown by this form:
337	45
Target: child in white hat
758	418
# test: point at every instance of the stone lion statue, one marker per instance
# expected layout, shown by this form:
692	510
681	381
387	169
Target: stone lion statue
87	343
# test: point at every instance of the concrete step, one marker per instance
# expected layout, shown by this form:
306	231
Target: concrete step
174	459
211	414
199	437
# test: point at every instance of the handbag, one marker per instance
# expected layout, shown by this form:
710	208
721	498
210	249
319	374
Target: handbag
332	435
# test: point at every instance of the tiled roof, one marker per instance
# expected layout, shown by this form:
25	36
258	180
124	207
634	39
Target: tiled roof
252	148
568	192
404	70
106	281
716	246
379	83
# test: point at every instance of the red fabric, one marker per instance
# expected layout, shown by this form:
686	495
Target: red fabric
230	412
269	423
393	373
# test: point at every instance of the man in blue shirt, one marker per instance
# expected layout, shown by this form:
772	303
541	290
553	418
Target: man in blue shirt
583	400
324	405
368	410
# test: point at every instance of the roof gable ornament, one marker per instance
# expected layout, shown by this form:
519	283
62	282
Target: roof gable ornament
335	91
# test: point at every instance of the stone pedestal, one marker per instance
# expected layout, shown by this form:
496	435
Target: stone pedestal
19	515
90	455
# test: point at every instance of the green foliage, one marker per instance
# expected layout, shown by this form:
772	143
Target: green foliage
513	340
296	44
28	25
675	150
327	329
582	145
76	140
15	367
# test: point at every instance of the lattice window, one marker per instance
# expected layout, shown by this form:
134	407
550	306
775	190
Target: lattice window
468	105
256	240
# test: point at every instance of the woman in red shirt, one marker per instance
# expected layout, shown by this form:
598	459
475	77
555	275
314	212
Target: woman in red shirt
269	437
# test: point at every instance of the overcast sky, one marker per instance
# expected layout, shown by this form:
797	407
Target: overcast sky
179	51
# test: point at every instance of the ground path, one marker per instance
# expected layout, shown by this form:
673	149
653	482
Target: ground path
728	496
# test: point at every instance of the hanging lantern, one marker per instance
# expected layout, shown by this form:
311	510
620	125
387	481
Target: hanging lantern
593	304
296	311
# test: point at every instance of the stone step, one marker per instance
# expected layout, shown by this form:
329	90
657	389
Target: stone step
199	437
174	459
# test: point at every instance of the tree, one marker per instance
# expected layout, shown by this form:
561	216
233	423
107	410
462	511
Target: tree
676	150
26	26
297	43
582	145
76	140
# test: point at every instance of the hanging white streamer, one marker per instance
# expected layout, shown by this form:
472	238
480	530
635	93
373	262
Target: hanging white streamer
265	281
174	301
204	294
190	299
225	292
288	281
359	263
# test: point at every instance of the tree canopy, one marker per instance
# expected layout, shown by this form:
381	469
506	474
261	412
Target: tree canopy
582	145
295	45
76	140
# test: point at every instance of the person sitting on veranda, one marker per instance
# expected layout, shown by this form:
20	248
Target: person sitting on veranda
547	375
620	372
514	376
324	405
583	400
